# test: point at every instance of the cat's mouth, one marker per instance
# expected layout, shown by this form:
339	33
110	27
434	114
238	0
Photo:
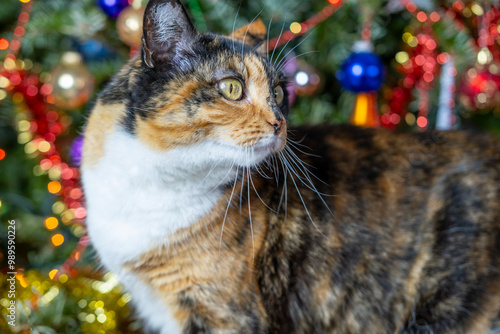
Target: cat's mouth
269	144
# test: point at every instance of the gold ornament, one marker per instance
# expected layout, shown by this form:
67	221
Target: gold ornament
72	82
129	25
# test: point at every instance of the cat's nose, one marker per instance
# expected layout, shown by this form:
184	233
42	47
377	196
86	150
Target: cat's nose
277	125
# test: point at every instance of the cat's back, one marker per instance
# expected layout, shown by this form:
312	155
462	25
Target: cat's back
402	233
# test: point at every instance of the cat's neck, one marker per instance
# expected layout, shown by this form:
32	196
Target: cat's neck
138	197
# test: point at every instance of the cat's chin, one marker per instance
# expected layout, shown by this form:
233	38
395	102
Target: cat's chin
263	149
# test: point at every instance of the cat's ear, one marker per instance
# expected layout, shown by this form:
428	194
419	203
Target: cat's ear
252	34
166	30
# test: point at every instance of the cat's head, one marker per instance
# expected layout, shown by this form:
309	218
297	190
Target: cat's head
189	88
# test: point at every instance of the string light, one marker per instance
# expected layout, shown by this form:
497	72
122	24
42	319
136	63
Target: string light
4	44
51	223
308	24
57	239
38	134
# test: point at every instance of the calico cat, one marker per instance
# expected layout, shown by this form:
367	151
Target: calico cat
217	218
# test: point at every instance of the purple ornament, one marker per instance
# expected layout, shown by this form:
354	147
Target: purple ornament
75	151
112	8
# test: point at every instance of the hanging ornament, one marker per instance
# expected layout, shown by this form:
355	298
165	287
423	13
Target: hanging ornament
75	151
112	8
71	81
93	50
363	73
129	25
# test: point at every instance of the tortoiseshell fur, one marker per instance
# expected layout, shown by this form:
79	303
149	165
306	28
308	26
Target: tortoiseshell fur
385	232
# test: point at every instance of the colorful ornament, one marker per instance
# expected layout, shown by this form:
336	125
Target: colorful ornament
129	25
112	8
361	72
365	110
75	151
71	81
93	50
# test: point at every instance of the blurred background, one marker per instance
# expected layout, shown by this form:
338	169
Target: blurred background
400	64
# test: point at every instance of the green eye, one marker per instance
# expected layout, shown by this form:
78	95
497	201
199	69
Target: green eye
278	94
231	89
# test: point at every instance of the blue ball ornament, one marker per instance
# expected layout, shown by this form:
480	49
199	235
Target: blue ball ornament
93	50
361	72
112	7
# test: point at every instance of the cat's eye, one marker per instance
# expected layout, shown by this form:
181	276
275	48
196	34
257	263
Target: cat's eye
231	89
278	94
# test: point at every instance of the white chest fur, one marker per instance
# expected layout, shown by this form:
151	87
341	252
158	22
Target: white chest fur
137	197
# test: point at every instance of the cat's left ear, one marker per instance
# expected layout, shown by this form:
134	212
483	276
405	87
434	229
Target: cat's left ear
166	31
252	34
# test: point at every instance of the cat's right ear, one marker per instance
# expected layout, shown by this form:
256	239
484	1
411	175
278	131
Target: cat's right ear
166	30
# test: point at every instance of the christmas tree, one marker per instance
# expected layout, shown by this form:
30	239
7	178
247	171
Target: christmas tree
400	64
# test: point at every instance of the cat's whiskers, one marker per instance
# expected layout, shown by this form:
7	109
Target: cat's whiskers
277	42
291	50
257	193
214	165
234	25
304	176
284	191
311	186
267	40
296	143
283	64
227	208
290	168
250	215
248	27
305	171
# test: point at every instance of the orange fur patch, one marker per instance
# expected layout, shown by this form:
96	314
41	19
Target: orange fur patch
101	123
242	122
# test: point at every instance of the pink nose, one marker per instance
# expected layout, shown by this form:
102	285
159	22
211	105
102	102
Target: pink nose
277	125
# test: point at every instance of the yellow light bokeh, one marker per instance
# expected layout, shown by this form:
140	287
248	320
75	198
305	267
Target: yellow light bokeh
23	125
24	137
402	57
30	148
57	239
53	273
295	27
58	207
477	9
4	82
54	187
406	37
44	146
51	223
9	64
